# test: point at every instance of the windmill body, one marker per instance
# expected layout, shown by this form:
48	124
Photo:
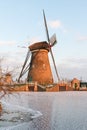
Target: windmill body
40	69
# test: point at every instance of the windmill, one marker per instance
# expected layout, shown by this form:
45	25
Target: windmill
39	66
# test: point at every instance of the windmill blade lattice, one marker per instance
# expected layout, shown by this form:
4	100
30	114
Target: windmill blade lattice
25	68
48	39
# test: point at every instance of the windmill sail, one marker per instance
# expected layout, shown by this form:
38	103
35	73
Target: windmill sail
53	40
39	68
50	45
24	70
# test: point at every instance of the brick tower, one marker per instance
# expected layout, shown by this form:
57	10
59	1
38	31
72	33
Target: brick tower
40	70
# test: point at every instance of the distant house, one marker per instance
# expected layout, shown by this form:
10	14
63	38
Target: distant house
7	79
75	83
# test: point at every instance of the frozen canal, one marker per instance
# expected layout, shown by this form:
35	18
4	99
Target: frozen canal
45	111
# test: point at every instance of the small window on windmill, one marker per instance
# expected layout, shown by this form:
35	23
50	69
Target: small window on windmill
33	66
44	66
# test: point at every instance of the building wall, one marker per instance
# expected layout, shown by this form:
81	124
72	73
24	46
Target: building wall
53	89
33	86
25	87
64	86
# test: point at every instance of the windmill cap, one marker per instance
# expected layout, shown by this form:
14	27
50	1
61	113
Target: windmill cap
8	74
39	45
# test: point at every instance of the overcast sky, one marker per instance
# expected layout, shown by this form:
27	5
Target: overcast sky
21	23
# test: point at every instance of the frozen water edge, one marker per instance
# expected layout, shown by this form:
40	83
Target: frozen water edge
16	112
61	110
24	126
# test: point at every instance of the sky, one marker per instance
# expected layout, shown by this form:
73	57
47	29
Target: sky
21	24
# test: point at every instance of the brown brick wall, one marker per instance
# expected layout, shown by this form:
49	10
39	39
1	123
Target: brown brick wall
40	70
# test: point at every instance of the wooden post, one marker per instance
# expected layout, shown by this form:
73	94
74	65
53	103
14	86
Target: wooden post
35	87
0	108
27	87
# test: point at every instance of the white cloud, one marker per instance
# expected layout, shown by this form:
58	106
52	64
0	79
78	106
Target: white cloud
11	43
75	62
65	31
74	67
55	24
34	39
82	38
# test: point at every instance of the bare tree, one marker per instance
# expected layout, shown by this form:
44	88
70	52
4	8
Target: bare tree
3	88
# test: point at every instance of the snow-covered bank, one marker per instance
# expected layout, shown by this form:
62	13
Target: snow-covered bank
16	111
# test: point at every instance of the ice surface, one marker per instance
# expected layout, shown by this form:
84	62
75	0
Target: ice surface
60	111
24	126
